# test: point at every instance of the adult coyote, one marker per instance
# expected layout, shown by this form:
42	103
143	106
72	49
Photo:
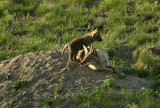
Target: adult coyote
96	59
77	44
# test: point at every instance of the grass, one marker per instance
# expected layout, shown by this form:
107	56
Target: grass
7	76
41	25
46	103
49	100
31	26
56	93
106	97
9	105
18	85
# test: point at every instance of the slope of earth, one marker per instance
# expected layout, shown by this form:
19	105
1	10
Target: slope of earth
46	71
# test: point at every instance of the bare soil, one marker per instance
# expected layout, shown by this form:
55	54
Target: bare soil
46	70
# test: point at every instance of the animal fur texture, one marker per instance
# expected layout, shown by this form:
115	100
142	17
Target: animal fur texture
77	43
96	59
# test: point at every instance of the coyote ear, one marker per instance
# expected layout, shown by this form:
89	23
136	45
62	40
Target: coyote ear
94	32
85	49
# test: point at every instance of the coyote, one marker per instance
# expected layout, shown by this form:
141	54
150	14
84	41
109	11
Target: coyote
77	44
81	53
96	59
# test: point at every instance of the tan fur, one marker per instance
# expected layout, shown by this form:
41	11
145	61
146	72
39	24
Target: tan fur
97	59
81	54
77	44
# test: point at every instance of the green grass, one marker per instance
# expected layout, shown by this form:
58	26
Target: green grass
46	103
7	76
106	97
18	85
9	105
36	25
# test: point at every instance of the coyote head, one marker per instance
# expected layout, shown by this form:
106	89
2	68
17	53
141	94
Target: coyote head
96	35
90	57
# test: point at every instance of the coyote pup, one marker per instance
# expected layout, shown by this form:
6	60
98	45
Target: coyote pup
77	44
96	59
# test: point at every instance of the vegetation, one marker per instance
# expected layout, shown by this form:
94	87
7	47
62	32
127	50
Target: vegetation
56	93
34	25
18	85
7	76
46	103
9	105
106	97
129	28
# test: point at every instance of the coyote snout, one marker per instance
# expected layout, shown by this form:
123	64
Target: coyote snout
96	59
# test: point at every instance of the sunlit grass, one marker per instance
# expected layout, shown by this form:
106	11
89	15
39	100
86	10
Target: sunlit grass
41	25
106	97
36	25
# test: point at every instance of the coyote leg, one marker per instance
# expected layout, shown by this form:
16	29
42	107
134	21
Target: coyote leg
108	69
113	68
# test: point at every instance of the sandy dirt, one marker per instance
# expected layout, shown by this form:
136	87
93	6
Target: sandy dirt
46	70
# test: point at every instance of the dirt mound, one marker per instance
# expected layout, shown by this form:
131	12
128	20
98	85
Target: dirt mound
46	71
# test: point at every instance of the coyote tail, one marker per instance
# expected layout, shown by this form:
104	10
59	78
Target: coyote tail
64	48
